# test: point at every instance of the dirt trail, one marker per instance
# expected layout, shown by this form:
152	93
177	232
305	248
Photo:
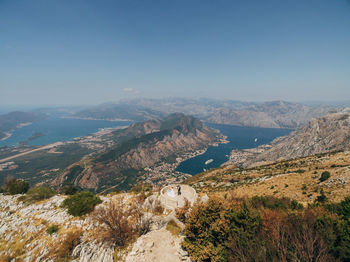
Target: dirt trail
157	246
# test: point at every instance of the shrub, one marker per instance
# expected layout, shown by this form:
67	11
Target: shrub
324	176
295	205
63	250
141	188
173	228
274	203
15	186
216	230
182	213
222	231
70	190
39	193
321	198
120	223
158	208
52	229
81	203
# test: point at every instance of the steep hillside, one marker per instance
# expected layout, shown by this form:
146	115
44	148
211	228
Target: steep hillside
298	179
277	114
139	148
325	134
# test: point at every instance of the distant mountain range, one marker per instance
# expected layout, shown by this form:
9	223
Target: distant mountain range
11	121
121	111
142	145
275	114
320	135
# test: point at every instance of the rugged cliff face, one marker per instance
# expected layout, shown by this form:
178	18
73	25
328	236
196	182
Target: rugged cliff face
142	145
325	134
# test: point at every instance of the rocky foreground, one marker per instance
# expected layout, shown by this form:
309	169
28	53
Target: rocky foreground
24	236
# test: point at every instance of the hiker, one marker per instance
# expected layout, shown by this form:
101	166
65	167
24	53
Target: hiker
179	190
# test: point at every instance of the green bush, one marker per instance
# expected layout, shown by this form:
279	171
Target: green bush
321	198
324	176
213	226
39	193
255	230
52	229
81	203
70	190
274	203
141	188
15	186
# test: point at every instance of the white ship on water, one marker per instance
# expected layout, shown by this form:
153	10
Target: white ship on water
208	161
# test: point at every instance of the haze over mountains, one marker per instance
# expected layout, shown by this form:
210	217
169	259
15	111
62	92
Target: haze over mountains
328	133
276	114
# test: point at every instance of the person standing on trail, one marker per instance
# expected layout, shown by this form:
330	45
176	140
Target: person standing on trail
179	190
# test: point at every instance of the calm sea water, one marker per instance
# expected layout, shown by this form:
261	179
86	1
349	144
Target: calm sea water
239	137
58	129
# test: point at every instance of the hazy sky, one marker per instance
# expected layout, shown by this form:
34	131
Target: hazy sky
93	51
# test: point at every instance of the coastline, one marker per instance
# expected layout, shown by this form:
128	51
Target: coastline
98	119
8	134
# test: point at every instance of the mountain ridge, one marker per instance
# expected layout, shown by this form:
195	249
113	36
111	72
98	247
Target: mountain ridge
142	145
272	114
320	135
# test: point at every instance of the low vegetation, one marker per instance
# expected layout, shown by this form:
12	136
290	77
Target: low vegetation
37	194
69	190
52	229
324	176
81	203
173	228
15	186
262	229
121	222
328	171
63	250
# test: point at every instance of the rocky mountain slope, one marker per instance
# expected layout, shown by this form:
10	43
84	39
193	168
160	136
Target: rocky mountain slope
24	234
325	134
297	179
140	147
275	114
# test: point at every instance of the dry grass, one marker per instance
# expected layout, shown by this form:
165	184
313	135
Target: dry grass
173	228
120	222
296	179
61	251
14	247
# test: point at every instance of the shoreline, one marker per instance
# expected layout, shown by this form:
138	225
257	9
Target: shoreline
7	136
98	119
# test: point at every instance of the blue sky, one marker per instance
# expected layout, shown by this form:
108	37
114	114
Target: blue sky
89	52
